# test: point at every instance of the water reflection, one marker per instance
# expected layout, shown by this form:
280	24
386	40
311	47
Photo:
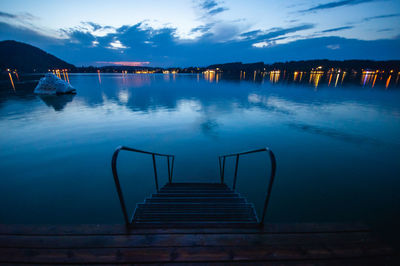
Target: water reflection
335	134
11	80
211	75
98	74
146	92
274	76
57	102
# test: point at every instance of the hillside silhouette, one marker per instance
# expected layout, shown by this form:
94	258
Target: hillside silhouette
28	58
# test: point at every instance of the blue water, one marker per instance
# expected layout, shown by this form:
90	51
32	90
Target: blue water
337	149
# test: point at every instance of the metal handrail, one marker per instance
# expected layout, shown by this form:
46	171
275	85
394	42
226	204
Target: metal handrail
116	179
272	174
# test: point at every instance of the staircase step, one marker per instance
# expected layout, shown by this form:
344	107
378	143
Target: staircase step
196	200
195	203
201	190
194	185
195	194
194	210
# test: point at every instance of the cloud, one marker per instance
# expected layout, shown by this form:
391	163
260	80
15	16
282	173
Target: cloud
116	44
79	37
337	29
336	4
123	63
21	33
209	4
217	10
202	28
251	34
381	16
277	32
212	7
90	27
385	29
7	15
93	25
19	16
333	46
161	47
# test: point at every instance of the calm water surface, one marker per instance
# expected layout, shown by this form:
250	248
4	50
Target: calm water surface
337	149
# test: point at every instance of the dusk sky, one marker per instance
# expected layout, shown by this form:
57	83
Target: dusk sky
199	33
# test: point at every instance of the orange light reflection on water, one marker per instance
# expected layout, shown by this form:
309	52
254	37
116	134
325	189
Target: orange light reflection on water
388	81
315	77
98	74
66	73
274	76
337	78
330	79
11	79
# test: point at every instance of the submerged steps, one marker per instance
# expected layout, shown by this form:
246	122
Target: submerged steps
194	204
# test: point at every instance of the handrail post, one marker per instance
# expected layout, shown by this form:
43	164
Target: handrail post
236	170
155	170
271	181
169	172
172	167
220	173
118	185
223	169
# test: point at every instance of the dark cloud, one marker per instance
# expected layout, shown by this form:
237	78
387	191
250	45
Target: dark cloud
251	34
212	7
203	28
7	15
277	32
93	25
338	29
12	32
381	16
84	38
217	10
161	47
209	4
19	17
336	4
384	30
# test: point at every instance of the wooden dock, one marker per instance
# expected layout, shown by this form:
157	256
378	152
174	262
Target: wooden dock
282	244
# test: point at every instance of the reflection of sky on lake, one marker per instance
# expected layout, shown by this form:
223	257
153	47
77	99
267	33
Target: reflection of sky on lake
337	148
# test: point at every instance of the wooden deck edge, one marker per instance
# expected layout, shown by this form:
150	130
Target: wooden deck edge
120	229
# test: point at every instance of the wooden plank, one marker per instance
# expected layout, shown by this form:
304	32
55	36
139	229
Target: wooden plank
118	229
181	240
198	191
184	254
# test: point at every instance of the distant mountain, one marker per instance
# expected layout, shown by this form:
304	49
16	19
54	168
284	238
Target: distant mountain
27	58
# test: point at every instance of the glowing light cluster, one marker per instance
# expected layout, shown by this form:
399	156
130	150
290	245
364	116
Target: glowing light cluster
58	73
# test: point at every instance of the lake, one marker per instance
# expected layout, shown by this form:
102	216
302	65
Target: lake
337	148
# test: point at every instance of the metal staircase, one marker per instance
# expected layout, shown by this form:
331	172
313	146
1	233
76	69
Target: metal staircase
194	204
